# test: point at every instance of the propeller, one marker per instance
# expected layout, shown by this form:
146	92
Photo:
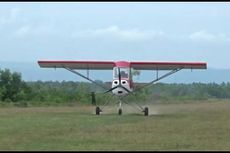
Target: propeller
119	83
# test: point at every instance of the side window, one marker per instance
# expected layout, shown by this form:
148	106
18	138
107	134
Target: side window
115	72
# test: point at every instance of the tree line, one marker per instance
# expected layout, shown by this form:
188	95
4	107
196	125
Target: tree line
14	90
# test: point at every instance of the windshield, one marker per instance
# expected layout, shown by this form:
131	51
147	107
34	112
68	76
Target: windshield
124	72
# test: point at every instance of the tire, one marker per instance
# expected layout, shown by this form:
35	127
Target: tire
146	111
119	111
98	111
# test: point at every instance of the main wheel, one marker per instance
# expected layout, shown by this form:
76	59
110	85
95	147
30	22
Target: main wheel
119	111
146	111
98	111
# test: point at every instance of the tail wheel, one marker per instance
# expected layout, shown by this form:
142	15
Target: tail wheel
98	111
119	111
146	111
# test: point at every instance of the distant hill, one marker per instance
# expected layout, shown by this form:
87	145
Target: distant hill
32	72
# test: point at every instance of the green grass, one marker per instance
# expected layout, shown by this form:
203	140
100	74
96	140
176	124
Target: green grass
190	126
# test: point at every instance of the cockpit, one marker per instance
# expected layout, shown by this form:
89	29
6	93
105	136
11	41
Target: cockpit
123	70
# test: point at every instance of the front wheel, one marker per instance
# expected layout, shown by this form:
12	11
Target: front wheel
98	111
146	111
120	111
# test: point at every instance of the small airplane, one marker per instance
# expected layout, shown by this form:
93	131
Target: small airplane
122	84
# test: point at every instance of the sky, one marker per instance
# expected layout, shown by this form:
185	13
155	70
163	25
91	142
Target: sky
132	31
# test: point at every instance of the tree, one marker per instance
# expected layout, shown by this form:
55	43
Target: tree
12	87
135	72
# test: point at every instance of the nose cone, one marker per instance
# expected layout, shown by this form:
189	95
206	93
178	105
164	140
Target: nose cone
119	91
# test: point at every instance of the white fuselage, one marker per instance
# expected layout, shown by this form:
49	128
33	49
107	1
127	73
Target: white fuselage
125	81
119	90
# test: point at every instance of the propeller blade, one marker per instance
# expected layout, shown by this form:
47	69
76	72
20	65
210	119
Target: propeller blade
119	84
111	89
119	75
117	87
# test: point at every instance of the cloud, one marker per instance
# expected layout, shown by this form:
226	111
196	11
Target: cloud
14	12
120	34
204	36
23	31
10	16
38	30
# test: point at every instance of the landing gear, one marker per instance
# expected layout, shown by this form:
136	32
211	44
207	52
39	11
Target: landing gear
119	111
98	110
146	111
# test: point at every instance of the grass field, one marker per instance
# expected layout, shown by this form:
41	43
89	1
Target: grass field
188	126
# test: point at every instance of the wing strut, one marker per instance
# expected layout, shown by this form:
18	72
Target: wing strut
155	80
159	78
81	75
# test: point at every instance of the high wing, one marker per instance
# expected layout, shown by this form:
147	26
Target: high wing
91	65
167	65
